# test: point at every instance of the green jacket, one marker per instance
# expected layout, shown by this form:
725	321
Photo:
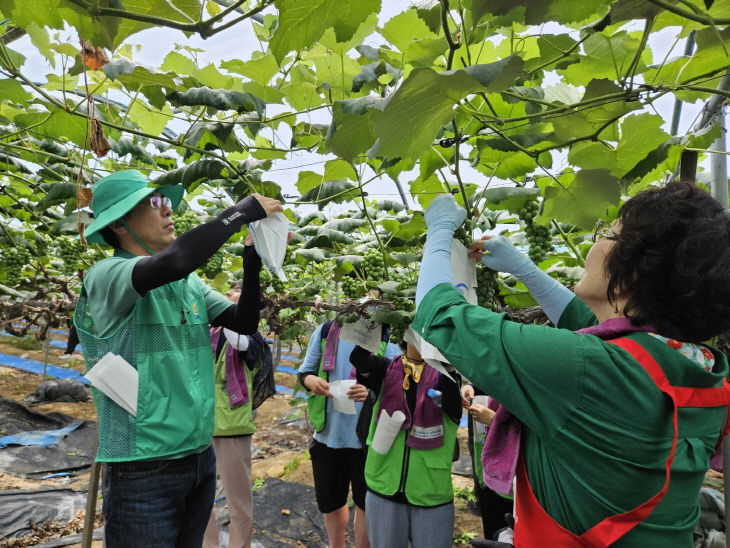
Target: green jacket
596	432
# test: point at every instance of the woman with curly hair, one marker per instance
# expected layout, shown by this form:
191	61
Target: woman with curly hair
623	404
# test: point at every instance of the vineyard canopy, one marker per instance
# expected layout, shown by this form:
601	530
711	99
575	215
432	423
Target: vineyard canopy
498	102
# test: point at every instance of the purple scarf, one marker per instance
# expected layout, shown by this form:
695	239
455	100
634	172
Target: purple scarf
614	327
502	445
427	423
235	375
329	360
501	449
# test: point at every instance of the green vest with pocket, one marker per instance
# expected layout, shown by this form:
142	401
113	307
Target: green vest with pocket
422	475
166	339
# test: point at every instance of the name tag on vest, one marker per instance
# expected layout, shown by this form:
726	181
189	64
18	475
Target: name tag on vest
427	433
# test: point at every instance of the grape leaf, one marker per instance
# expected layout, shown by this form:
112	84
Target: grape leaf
302	22
407	122
584	201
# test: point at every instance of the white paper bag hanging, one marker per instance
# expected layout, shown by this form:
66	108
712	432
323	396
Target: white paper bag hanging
464	271
428	352
363	333
269	239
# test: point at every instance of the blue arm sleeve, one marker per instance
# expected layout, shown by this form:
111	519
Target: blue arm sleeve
313	354
436	263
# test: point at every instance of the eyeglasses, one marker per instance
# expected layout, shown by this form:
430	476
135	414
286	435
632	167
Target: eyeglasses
157	201
603	230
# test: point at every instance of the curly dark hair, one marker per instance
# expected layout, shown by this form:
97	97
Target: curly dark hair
672	258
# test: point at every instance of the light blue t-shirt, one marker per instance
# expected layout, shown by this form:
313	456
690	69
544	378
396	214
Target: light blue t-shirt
339	429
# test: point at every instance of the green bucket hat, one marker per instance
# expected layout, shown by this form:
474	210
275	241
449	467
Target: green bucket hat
116	195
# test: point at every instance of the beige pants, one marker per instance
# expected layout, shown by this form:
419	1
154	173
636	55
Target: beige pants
233	465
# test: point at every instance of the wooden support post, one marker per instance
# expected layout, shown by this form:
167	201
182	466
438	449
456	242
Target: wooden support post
89	518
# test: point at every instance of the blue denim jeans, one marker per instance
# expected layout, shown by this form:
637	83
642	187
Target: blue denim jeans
159	503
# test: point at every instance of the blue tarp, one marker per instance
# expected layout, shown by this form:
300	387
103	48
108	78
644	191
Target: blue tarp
37	367
53	342
39	437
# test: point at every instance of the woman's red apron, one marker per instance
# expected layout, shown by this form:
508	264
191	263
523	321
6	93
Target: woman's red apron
533	526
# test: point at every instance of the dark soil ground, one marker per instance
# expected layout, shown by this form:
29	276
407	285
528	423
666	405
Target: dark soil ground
280	448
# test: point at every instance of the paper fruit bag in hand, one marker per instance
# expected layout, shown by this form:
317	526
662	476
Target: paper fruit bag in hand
269	239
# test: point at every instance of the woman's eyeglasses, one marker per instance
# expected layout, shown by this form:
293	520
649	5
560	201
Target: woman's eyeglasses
603	230
157	201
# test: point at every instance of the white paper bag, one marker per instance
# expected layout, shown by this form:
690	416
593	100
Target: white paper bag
363	333
428	352
386	431
117	379
480	427
464	271
269	239
342	403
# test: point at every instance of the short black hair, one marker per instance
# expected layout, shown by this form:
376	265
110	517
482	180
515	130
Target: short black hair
110	237
672	260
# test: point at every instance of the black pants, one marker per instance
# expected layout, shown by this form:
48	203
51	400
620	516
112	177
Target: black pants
73	340
492	505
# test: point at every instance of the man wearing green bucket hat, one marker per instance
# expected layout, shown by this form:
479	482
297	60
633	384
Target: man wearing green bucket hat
146	305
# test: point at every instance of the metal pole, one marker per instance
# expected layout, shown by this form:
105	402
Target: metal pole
46	346
400	191
718	164
677	113
718	186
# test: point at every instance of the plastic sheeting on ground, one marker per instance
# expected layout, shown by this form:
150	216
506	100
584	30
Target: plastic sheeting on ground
73	451
303	523
20	507
37	367
39	437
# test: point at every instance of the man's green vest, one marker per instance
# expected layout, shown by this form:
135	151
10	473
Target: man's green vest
318	404
166	339
422	475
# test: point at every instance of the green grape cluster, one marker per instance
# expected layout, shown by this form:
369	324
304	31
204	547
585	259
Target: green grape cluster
398	330
214	265
277	285
373	265
41	246
269	280
465	233
352	287
70	251
15	259
538	236
185	222
487	286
